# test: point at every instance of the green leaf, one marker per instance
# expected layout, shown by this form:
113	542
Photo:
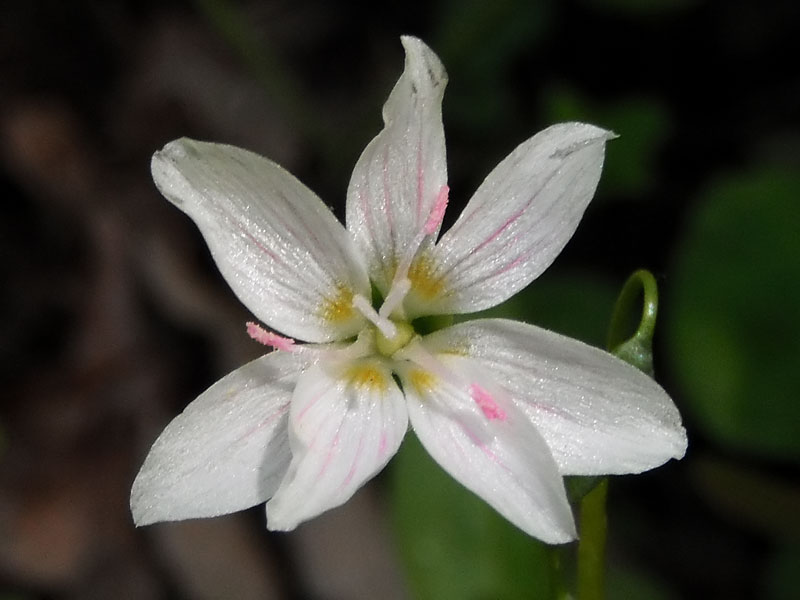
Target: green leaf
453	544
734	324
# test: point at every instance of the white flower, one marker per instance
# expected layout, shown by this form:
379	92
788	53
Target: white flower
506	408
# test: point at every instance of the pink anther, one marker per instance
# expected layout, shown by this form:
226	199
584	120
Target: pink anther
437	213
486	403
262	336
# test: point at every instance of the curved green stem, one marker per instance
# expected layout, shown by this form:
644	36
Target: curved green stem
637	348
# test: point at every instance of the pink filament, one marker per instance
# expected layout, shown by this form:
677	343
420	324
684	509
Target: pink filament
262	336
486	403
437	213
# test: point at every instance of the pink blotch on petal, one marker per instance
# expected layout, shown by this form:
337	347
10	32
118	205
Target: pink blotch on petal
262	336
486	403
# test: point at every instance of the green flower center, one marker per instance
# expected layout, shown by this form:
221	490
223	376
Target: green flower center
388	346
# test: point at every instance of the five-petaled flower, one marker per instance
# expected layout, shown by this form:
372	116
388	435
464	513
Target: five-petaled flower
506	408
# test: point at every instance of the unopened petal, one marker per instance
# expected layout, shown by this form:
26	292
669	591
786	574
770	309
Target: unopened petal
346	422
278	246
402	172
518	221
598	414
489	446
227	451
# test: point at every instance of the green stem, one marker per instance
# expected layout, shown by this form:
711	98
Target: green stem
636	348
592	544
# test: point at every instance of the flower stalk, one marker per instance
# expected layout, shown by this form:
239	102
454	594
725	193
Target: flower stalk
592	544
636	350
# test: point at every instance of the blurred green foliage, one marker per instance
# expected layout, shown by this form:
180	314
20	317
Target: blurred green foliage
734	334
455	547
479	95
573	302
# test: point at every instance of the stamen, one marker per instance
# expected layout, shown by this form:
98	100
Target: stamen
386	327
437	214
486	403
268	338
395	296
401	284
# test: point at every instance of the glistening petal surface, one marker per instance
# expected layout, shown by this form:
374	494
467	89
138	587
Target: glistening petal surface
503	460
598	414
278	246
518	221
227	451
400	174
347	420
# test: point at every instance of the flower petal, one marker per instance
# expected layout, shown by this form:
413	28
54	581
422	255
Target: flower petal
402	172
519	219
278	246
227	451
598	414
489	446
346	422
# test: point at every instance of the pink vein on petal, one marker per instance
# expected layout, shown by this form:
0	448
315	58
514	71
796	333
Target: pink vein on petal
329	456
488	452
420	177
367	216
500	230
352	470
260	246
387	206
308	406
278	413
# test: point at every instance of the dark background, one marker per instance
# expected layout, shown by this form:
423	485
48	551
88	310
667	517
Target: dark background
113	317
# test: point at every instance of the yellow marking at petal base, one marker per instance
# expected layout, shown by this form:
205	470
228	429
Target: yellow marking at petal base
422	381
338	308
422	279
367	375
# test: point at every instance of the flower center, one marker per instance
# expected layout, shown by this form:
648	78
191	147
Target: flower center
393	332
389	345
